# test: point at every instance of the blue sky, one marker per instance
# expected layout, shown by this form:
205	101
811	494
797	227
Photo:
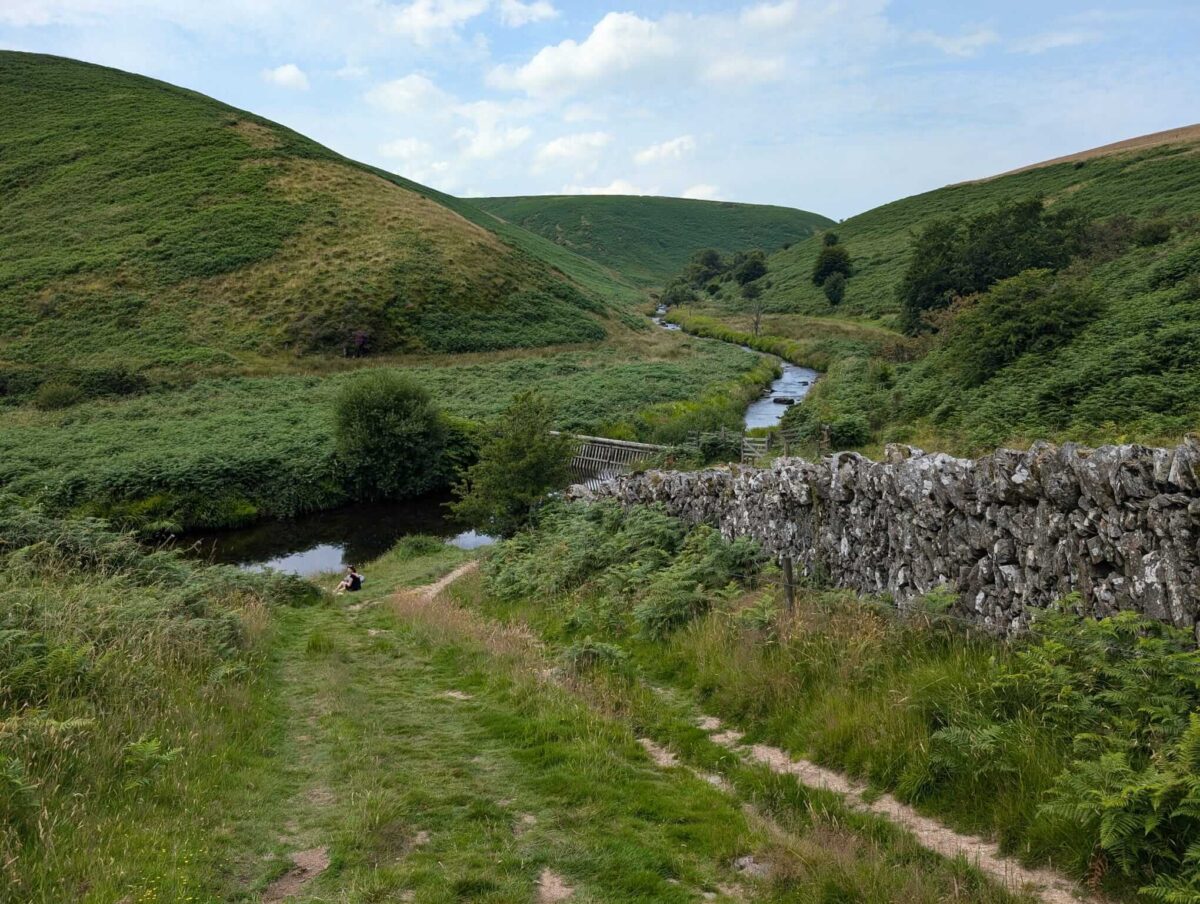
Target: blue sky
829	105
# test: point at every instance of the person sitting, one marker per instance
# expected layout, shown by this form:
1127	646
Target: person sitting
352	582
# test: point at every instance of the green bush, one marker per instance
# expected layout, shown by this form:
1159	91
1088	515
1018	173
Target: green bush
55	394
830	259
520	461
1153	233
390	438
1033	313
953	258
849	431
835	287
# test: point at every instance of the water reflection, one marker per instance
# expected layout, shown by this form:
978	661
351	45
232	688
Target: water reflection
331	540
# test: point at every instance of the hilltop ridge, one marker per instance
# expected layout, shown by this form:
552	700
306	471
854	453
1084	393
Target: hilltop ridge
647	239
152	225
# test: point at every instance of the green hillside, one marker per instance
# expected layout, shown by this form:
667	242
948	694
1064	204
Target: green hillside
1099	342
646	239
1140	182
155	227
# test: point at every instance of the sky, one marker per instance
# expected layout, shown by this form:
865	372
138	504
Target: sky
834	106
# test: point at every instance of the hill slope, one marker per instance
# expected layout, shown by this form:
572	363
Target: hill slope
1104	348
649	239
1128	178
152	226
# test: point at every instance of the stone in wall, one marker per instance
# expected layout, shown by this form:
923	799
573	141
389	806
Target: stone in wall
1012	532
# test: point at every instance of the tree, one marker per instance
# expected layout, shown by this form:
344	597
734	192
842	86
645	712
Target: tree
520	461
835	287
389	436
831	259
957	258
752	292
704	266
830	238
752	266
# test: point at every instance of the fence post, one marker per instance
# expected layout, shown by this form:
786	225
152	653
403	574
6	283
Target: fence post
789	587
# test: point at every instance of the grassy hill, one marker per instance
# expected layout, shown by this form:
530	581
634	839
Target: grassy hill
646	239
1136	178
155	227
1103	349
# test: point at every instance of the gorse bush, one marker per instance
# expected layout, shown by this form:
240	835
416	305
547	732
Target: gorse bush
1078	743
389	436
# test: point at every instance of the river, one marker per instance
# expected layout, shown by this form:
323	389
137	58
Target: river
788	389
332	540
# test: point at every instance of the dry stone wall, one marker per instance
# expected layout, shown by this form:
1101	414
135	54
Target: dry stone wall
1011	532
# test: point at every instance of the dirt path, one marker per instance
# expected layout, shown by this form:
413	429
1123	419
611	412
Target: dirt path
429	591
1049	886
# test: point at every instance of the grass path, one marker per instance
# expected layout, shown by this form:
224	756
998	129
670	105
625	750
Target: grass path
421	762
427	753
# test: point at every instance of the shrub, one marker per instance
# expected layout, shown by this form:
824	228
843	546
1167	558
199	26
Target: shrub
418	545
830	238
55	394
1153	233
1035	312
389	436
835	287
830	259
954	258
849	431
520	461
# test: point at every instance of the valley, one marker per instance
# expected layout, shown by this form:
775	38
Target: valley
792	658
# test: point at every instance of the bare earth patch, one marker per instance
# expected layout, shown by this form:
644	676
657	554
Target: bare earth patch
552	888
662	757
526	822
708	723
454	695
307	865
1046	884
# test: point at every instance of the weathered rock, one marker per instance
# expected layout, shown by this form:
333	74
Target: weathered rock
1013	531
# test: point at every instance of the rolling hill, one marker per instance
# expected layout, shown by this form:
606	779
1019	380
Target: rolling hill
1103	347
153	227
1156	175
647	239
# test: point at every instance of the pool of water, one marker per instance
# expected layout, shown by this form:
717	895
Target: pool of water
331	540
794	384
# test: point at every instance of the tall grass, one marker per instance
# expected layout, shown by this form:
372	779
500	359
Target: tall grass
1074	745
127	684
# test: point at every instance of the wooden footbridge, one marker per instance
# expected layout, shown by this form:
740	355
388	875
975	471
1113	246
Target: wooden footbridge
599	458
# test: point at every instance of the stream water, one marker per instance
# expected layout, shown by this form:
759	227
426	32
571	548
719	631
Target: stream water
331	540
788	389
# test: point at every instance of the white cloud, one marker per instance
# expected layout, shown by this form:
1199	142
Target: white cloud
406	149
514	13
616	187
489	136
289	75
964	45
770	15
424	21
582	147
675	149
745	70
408	95
1056	40
352	71
620	43
702	192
